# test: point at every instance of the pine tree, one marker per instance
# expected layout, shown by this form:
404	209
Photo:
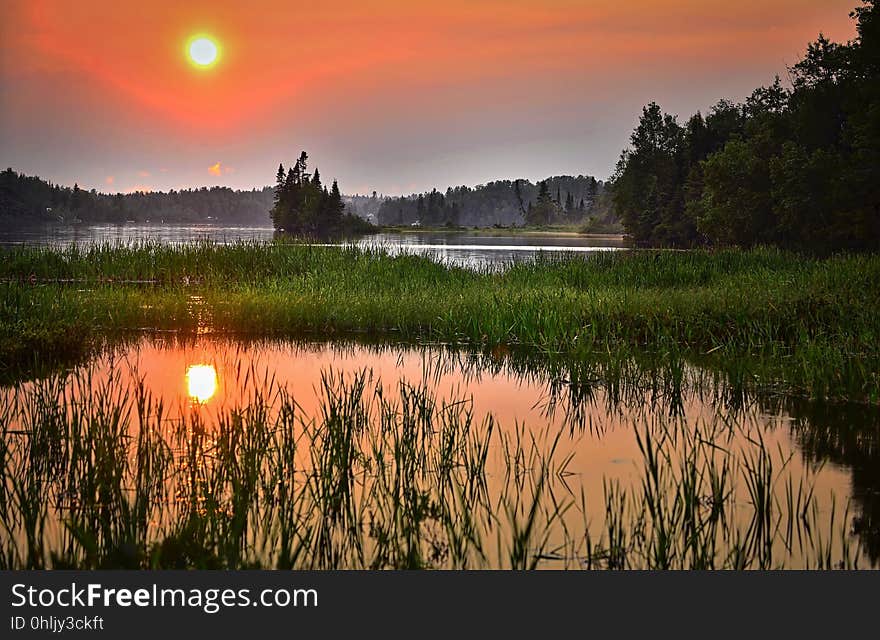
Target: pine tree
336	208
302	168
592	193
543	211
519	198
277	212
279	183
304	206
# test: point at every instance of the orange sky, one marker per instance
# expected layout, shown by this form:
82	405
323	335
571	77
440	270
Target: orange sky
388	95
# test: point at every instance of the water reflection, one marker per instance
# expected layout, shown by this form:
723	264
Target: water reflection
590	413
201	382
847	436
469	249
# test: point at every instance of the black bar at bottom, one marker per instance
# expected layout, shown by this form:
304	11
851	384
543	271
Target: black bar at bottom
171	604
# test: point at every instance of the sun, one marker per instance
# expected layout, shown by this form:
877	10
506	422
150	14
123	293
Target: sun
203	51
201	382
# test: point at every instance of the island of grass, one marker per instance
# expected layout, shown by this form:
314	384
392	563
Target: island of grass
763	317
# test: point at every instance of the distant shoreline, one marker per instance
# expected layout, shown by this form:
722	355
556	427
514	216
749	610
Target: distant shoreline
504	231
560	232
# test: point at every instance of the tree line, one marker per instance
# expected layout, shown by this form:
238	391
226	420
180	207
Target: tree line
556	200
26	200
796	167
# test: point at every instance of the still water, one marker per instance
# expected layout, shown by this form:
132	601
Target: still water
458	248
589	438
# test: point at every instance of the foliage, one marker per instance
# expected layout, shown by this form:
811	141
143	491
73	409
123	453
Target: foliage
803	323
305	207
797	168
99	473
556	200
27	200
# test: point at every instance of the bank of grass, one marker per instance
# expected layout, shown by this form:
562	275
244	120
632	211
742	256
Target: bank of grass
763	316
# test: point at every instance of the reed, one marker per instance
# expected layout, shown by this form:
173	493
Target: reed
99	474
763	316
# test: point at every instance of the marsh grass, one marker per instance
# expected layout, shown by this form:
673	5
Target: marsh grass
98	473
763	317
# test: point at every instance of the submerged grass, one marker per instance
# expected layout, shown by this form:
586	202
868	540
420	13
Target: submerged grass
99	474
763	316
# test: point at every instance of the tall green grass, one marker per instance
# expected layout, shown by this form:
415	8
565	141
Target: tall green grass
768	317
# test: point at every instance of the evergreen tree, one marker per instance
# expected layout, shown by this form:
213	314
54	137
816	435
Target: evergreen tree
544	210
307	208
797	168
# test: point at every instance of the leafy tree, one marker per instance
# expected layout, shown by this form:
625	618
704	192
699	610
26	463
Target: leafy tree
798	168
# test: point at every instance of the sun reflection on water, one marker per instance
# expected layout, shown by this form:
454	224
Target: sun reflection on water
201	382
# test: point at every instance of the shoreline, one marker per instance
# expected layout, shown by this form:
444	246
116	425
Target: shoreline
566	232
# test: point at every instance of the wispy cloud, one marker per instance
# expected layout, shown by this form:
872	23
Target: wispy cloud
219	169
144	174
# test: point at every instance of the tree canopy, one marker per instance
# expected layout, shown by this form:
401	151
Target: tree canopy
27	200
556	200
796	167
304	206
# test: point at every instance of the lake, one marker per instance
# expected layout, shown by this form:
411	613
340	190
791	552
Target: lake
353	454
465	248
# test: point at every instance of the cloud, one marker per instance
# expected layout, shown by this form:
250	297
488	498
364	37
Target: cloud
143	174
109	180
219	169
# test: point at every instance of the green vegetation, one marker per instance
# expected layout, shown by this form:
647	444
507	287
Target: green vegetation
560	200
306	208
764	317
99	474
28	200
796	168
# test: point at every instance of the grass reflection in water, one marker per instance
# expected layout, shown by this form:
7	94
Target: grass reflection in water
389	458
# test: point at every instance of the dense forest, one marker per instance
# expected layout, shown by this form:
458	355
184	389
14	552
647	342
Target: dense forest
303	206
28	200
794	167
557	200
299	205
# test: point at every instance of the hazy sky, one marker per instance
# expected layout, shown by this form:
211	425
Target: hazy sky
392	95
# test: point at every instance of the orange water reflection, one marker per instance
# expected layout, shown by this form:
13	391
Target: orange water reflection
829	447
201	382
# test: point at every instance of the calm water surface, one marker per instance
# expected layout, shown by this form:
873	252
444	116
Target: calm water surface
833	449
458	248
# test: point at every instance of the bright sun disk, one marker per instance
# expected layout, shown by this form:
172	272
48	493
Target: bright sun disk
201	382
203	51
